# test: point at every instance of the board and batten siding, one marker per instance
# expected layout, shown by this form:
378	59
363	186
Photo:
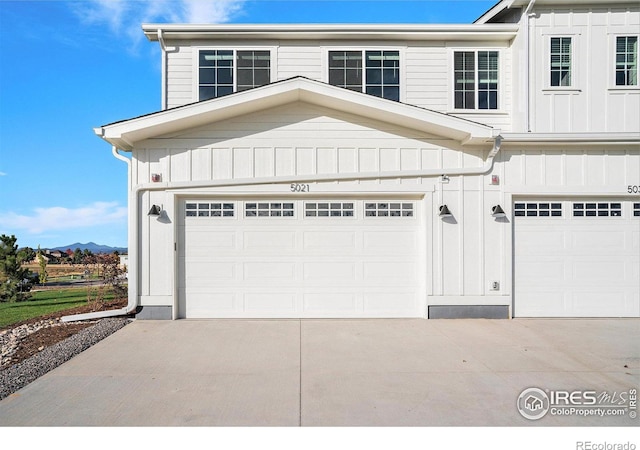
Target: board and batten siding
593	103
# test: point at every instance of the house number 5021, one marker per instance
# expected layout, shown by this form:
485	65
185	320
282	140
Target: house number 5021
296	187
633	189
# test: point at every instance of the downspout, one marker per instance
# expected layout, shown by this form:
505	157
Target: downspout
163	81
132	301
528	67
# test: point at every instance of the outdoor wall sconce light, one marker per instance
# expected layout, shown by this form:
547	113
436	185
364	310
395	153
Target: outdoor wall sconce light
444	212
156	177
498	212
155	211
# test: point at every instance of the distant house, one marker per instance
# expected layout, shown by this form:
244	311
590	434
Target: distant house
124	261
309	171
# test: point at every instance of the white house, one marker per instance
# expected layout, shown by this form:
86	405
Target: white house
481	170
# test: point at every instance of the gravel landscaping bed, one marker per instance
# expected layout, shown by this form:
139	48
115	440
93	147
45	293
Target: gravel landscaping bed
16	376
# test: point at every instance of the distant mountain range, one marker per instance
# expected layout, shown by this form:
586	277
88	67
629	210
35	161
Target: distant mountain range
92	247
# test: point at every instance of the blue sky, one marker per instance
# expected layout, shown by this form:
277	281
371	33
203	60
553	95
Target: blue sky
69	66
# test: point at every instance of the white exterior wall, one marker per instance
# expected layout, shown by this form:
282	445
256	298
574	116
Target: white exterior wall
593	103
464	255
426	70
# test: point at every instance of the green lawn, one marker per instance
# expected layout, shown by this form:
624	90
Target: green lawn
41	303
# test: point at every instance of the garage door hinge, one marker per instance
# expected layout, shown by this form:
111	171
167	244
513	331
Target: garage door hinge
175	246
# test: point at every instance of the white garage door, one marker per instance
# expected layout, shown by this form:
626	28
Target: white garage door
577	258
300	258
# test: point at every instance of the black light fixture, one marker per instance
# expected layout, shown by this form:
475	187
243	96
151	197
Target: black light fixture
154	211
498	212
444	212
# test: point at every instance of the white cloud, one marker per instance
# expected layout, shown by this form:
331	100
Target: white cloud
60	218
2	174
125	16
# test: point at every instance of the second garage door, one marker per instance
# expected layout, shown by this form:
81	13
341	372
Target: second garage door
577	258
300	258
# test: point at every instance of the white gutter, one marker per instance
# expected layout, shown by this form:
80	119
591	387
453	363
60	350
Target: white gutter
163	59
132	301
134	199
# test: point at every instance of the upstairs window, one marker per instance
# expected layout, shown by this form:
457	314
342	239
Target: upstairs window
222	72
560	60
375	72
476	76
627	61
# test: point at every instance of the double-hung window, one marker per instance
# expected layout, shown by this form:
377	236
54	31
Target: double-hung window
375	72
222	72
560	61
476	78
627	61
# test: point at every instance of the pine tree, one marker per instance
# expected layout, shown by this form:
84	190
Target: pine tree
15	281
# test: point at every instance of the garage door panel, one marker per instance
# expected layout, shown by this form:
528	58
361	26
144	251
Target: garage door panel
386	272
606	241
261	240
276	303
595	271
329	241
330	271
389	301
269	271
203	242
332	301
542	242
397	240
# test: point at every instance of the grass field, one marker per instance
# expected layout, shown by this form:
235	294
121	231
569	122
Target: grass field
41	303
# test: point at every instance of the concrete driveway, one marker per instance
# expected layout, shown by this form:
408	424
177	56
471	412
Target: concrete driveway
333	372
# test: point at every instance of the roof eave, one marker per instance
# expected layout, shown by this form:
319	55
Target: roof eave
126	134
411	32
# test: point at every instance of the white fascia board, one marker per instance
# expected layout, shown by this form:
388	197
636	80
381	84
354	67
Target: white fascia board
407	32
126	133
494	11
629	138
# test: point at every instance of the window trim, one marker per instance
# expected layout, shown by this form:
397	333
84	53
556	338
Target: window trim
575	51
273	66
451	81
357	48
613	39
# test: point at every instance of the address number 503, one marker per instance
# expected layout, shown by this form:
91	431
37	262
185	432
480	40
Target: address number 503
297	187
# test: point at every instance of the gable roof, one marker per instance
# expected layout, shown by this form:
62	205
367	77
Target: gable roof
125	134
502	5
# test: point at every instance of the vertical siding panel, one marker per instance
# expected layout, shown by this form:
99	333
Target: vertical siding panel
285	161
368	159
595	172
347	160
243	162
201	164
430	158
222	163
305	161
473	239
327	160
534	168
553	169
574	168
615	167
264	162
180	165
